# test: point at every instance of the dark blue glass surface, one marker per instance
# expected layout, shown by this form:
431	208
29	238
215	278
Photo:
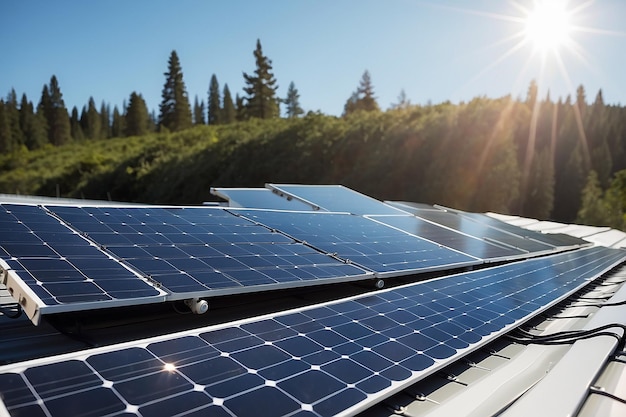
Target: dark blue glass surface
362	241
322	360
201	249
483	231
472	245
59	265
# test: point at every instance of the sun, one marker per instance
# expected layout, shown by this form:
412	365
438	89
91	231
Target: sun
548	25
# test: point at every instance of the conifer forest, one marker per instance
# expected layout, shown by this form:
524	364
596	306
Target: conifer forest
559	158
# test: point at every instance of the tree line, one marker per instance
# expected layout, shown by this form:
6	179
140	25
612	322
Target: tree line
24	125
558	159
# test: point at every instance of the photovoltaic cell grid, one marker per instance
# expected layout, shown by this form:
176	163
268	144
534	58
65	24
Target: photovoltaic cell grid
471	245
382	249
472	228
332	359
197	250
59	265
337	198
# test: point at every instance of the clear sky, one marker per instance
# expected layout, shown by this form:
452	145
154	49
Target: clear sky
435	50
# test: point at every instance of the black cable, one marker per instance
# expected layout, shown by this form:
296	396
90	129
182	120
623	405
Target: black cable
564	341
569	336
561	335
601	391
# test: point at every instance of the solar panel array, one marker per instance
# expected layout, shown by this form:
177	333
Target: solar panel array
196	250
474	225
67	258
61	266
474	246
331	359
382	249
98	257
472	228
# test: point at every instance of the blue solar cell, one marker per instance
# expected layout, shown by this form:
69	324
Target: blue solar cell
60	266
198	250
335	358
465	225
471	245
362	241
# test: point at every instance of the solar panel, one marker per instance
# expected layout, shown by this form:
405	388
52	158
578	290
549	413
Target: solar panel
335	198
112	256
553	239
199	251
48	267
470	245
337	358
469	227
359	240
262	198
187	252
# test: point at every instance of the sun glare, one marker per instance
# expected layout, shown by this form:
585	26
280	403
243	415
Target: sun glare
548	25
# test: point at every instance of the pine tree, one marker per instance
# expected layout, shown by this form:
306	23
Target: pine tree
261	100
363	99
229	114
198	112
175	112
6	141
44	108
117	125
13	118
213	103
593	210
292	102
91	121
77	130
531	96
240	108
105	120
33	125
137	118
59	131
403	101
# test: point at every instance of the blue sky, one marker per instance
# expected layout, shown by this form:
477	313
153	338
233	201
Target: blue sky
435	50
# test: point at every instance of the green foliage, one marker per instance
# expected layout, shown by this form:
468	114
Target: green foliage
261	87
175	112
604	208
